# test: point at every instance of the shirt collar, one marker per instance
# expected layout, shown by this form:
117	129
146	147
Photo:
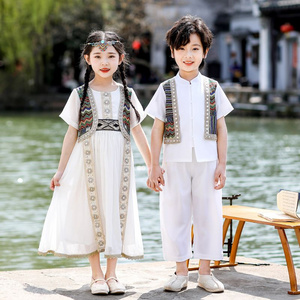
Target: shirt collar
196	80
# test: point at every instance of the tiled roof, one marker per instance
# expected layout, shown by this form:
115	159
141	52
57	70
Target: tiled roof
269	5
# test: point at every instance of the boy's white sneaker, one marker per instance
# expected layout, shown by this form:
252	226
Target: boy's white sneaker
210	283
177	283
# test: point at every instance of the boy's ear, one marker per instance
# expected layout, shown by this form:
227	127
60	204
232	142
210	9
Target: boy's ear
172	52
205	54
121	58
87	59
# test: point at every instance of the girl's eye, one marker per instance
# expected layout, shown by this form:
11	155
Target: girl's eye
196	49
111	56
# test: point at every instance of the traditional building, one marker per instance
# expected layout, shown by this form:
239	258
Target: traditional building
257	42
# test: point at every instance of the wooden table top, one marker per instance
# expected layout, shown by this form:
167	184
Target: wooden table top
250	214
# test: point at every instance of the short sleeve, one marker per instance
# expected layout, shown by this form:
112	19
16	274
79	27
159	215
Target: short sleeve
138	106
70	113
157	106
224	106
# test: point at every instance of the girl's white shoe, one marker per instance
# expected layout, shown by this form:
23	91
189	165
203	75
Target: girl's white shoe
115	286
99	286
210	283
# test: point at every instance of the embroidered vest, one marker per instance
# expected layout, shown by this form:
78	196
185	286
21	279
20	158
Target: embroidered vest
89	118
172	122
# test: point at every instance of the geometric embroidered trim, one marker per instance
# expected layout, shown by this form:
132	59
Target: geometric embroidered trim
108	124
172	124
210	119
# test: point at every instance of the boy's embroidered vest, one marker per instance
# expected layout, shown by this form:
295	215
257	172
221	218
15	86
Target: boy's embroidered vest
89	118
172	123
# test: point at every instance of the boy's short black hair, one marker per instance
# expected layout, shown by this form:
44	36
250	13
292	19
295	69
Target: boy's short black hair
179	34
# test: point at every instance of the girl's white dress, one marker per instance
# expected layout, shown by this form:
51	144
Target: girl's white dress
69	229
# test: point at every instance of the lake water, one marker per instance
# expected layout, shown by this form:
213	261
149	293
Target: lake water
263	157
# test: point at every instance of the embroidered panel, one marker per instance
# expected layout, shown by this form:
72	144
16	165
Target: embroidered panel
172	128
106	105
108	124
210	125
88	115
92	195
125	186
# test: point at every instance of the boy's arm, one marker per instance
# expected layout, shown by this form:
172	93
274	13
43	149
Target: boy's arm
142	144
156	175
220	173
67	148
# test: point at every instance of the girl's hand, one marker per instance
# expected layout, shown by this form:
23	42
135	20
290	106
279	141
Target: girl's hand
220	176
55	180
156	178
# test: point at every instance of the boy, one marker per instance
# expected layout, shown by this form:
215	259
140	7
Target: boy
188	112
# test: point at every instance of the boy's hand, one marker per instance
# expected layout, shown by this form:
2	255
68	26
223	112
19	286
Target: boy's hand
220	176
55	180
156	179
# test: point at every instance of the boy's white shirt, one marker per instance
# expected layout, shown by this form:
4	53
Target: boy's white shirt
190	97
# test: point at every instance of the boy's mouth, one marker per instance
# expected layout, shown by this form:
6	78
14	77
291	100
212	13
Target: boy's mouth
189	63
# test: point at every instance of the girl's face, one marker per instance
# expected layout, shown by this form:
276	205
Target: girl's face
104	63
189	57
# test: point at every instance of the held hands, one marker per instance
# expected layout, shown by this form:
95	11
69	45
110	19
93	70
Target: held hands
220	176
156	178
55	180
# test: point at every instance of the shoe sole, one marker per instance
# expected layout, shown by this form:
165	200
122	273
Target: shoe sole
117	293
99	293
209	290
172	290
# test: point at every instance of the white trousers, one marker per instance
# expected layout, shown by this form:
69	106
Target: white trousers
189	197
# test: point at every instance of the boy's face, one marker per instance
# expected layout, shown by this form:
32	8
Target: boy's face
189	57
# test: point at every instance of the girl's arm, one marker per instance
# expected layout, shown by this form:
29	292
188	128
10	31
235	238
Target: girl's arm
142	144
220	173
67	148
156	177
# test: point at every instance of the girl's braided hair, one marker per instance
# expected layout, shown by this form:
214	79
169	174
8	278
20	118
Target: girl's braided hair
179	34
96	36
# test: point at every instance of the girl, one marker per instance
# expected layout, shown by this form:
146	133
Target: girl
94	205
189	111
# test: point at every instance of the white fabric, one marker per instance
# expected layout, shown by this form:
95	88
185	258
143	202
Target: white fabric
68	227
189	197
190	97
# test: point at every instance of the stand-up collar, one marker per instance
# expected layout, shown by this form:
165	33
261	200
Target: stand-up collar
196	80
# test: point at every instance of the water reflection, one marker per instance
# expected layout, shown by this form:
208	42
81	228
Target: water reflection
264	156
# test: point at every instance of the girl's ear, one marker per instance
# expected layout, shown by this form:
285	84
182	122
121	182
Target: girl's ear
121	58
87	59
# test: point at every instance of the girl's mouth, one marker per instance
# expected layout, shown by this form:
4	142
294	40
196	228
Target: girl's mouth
105	70
189	63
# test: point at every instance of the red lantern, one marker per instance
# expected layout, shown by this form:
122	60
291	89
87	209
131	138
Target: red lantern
287	27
